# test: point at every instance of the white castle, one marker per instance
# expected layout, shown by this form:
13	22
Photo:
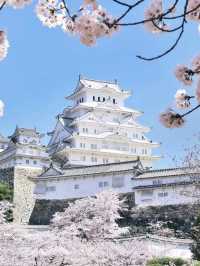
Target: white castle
97	144
99	129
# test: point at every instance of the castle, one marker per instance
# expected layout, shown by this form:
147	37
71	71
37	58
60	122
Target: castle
96	144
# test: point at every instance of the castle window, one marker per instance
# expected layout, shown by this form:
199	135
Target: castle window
95	131
105	184
34	162
114	101
100	184
163	194
50	188
93	146
118	181
105	160
76	186
104	99
94	159
93	98
82	145
99	99
147	193
85	130
27	161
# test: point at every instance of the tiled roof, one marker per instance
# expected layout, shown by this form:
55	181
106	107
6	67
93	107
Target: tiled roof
26	132
94	169
169	172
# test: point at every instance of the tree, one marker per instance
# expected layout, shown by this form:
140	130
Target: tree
65	244
6	193
91	218
196	239
92	21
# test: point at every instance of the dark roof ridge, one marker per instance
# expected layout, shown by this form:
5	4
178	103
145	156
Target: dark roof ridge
101	81
96	165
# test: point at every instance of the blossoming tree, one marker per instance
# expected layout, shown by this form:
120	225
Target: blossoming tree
92	21
81	235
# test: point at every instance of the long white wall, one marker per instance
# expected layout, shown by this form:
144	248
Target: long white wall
82	187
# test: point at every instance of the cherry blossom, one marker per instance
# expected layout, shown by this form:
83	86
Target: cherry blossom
195	15
103	210
155	10
1	108
171	119
184	74
196	64
198	91
18	3
4	207
4	45
182	99
47	12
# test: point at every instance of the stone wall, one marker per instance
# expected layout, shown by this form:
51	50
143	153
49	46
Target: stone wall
45	209
23	193
179	218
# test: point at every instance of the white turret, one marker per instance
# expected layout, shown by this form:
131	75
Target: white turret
99	129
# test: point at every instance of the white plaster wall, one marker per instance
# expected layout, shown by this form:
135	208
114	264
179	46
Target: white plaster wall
176	195
65	189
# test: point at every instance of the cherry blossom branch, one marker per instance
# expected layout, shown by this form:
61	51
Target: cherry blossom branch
190	111
182	27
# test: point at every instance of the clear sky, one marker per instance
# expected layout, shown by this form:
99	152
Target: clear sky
43	67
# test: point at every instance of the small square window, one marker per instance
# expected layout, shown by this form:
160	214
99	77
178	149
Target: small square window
34	162
100	184
76	186
105	184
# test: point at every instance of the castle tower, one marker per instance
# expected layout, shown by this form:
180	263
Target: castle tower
24	149
99	129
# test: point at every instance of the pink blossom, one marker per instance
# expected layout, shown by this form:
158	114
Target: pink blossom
198	91
196	64
171	119
184	74
194	15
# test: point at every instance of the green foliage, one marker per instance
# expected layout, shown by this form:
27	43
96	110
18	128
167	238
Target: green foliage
196	263
6	193
164	261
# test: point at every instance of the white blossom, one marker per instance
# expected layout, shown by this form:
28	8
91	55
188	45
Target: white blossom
171	119
4	45
4	207
182	99
1	108
91	218
47	12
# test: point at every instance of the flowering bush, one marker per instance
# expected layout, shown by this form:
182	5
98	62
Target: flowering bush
81	235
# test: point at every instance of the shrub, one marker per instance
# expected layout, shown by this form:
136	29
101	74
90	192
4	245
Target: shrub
166	261
5	192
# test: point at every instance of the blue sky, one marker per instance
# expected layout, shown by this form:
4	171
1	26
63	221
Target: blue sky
43	67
